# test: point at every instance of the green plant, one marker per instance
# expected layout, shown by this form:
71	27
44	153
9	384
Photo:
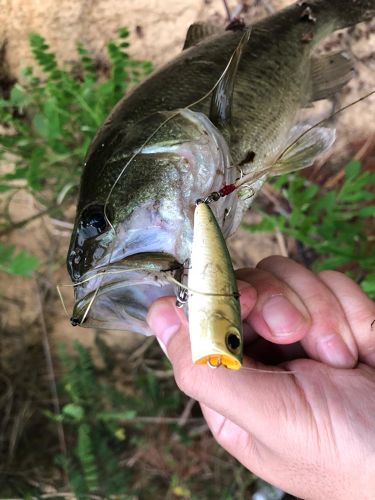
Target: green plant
48	123
334	224
93	416
18	263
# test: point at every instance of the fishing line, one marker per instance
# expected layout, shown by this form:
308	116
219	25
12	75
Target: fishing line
198	101
276	372
207	294
99	274
246	34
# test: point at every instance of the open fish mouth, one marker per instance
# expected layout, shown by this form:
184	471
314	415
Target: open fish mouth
118	296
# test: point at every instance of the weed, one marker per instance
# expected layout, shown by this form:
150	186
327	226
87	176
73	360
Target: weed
48	124
334	224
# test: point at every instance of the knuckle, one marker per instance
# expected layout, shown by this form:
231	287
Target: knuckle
269	262
330	274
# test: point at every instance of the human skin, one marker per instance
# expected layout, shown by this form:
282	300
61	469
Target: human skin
310	432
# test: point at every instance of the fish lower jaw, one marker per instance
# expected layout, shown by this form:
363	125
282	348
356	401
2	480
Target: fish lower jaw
119	297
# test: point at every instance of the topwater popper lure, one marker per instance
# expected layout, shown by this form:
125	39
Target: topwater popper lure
214	309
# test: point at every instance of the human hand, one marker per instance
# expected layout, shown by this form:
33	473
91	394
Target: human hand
310	432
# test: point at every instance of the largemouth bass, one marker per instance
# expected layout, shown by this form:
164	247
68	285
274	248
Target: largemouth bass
225	109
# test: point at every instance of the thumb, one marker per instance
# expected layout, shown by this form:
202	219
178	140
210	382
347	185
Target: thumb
165	319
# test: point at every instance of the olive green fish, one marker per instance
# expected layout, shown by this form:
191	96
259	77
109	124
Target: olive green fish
158	152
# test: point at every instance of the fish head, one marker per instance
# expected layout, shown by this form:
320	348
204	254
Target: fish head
133	232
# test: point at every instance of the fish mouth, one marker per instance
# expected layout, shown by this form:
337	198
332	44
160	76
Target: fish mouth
118	296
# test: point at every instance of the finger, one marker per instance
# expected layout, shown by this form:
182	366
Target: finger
330	338
235	440
279	314
256	457
242	396
359	311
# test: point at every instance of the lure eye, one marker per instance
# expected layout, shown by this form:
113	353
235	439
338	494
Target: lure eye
233	341
93	217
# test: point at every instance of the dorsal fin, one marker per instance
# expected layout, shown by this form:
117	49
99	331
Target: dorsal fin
221	101
199	31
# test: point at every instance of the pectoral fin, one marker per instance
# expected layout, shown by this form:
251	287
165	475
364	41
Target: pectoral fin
329	73
305	145
221	101
198	32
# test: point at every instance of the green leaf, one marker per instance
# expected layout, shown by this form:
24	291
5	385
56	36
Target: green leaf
73	410
368	285
266	224
311	192
353	168
366	211
19	97
335	261
23	264
20	264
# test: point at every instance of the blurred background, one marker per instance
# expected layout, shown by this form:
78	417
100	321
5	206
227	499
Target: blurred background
88	414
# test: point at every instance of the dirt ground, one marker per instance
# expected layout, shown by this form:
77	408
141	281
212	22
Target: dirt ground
157	32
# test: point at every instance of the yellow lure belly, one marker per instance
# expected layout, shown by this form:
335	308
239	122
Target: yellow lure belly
214	310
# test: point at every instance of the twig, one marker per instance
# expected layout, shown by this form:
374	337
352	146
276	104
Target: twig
269	192
62	223
199	430
159	374
51	372
268	7
362	153
17	225
139	352
281	242
186	413
227	9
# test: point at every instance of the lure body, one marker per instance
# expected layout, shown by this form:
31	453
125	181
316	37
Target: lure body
214	309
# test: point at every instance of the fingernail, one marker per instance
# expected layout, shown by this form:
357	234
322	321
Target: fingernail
281	316
333	351
163	321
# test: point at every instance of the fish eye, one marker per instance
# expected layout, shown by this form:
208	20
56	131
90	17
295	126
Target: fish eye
94	217
233	341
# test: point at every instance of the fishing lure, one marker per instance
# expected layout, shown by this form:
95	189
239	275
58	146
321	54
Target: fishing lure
214	310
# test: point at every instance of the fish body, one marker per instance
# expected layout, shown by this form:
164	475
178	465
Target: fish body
214	310
224	108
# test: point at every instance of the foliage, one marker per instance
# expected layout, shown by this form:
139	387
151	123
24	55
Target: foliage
18	263
92	416
334	223
48	123
106	427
